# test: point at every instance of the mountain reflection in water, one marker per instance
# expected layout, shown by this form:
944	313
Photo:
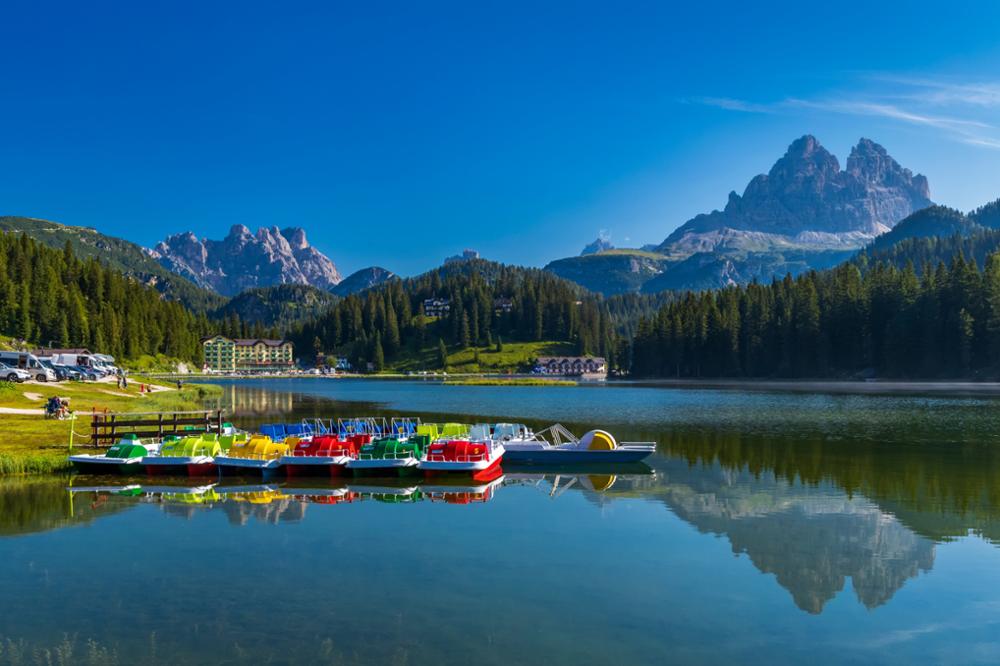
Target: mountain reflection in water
810	512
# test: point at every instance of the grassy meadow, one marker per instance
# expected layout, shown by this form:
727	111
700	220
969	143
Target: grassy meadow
32	444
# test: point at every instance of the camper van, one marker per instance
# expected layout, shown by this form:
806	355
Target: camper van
29	363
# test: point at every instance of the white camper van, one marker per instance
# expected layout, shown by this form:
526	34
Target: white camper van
29	363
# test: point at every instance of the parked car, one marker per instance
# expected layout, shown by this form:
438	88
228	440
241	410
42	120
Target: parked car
71	373
59	372
86	373
13	374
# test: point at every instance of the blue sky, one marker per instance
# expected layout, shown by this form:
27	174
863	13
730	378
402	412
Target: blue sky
399	133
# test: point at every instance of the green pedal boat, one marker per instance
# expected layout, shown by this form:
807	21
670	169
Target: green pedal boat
389	455
124	457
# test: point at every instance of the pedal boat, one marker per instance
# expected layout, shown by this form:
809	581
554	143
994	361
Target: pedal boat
124	457
525	447
193	455
326	455
388	455
479	455
257	455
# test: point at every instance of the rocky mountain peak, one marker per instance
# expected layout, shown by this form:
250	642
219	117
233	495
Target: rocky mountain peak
296	237
602	243
244	259
872	164
806	191
805	158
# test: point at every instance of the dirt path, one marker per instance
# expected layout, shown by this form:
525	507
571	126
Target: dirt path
34	411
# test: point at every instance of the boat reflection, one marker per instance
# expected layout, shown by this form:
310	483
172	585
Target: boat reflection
593	480
440	490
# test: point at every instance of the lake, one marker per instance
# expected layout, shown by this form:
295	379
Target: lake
769	528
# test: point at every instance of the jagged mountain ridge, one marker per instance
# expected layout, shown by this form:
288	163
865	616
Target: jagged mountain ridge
805	213
243	260
806	197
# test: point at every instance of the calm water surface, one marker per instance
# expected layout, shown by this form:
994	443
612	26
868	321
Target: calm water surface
769	528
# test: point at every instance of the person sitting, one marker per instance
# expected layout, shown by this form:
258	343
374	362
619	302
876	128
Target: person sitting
52	407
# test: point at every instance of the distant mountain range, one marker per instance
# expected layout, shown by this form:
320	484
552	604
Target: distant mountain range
243	260
805	213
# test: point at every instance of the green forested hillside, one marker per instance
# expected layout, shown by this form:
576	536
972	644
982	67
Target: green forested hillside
54	297
126	257
489	303
281	305
612	271
886	321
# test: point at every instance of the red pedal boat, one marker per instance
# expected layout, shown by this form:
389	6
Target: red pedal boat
323	454
480	459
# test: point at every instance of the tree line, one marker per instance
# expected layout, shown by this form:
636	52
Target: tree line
885	321
488	303
51	297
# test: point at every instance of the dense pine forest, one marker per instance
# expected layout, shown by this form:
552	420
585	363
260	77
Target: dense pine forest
52	297
488	304
919	307
885	321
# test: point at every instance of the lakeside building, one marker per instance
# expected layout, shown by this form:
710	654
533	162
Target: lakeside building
437	307
224	354
503	305
572	366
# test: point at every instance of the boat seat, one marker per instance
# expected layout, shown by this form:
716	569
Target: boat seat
273	430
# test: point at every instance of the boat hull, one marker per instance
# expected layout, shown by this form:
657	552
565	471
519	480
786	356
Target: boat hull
86	464
479	470
380	466
179	465
314	465
248	466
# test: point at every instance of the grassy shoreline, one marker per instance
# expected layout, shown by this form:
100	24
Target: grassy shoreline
32	444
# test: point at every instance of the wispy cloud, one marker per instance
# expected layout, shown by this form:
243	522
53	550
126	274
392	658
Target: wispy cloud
731	104
942	92
949	107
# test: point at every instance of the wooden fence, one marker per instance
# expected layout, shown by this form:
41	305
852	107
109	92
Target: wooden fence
107	427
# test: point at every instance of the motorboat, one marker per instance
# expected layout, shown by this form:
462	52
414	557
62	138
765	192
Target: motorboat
125	457
556	445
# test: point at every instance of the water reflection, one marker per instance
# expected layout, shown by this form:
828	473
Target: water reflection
249	402
812	512
812	538
88	497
